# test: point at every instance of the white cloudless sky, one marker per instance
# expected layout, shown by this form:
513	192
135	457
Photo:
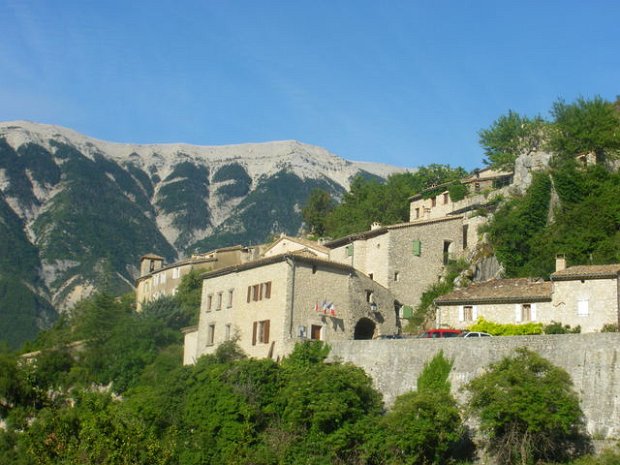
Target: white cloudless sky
401	82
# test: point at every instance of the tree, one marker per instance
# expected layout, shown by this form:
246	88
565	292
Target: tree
424	426
319	205
528	410
508	137
586	126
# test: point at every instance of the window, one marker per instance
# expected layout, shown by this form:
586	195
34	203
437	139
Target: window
227	332
348	250
230	298
417	248
209	302
417	212
434	202
468	313
218	305
465	231
258	292
211	334
260	332
447	256
370	297
371	275
176	273
396	276
526	312
445	198
315	332
583	307
313	269
477	187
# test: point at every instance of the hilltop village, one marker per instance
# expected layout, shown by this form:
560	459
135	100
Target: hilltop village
366	285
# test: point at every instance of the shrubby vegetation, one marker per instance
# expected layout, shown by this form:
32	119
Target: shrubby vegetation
507	329
528	411
369	201
65	407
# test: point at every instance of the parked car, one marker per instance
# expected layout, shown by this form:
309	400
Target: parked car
440	333
474	334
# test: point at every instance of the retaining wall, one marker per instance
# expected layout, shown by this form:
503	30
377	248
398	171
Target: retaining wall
590	359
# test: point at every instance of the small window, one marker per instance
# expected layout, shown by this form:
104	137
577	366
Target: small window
218	305
417	248
446	197
526	312
313	269
349	250
370	297
227	332
465	232
209	302
315	332
433	201
477	187
266	290
583	307
260	332
176	273
256	292
417	212
229	303
371	275
468	313
396	276
211	334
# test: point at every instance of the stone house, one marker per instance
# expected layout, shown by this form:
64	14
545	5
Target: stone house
158	279
587	296
406	258
482	187
286	244
269	304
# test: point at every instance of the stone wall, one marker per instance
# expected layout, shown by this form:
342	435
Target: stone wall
590	359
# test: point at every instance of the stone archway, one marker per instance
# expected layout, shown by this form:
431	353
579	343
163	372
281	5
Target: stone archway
364	329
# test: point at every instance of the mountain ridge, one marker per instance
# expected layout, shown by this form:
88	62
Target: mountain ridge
91	208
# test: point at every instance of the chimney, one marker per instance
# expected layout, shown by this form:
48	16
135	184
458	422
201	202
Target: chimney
560	262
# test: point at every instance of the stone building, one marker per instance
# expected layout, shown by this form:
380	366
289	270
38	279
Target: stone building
482	187
158	279
587	296
406	258
269	304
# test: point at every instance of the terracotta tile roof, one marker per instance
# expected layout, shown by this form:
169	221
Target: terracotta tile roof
515	290
587	272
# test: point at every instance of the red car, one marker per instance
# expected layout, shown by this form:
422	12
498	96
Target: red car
434	333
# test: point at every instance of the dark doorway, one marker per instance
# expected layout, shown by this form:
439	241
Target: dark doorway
364	329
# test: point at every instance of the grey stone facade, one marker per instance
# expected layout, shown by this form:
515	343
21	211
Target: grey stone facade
590	359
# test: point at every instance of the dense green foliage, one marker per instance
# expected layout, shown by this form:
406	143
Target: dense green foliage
528	411
60	408
370	201
586	126
584	225
423	427
510	136
506	329
319	205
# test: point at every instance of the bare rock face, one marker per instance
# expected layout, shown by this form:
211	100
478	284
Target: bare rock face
527	164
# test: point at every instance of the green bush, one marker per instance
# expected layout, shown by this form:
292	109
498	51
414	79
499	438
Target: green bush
556	327
507	329
528	411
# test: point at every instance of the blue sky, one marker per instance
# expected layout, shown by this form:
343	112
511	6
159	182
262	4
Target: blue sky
402	82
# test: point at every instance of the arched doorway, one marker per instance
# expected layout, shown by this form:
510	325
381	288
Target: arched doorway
364	329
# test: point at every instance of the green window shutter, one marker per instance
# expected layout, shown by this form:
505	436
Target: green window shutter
407	312
417	248
349	250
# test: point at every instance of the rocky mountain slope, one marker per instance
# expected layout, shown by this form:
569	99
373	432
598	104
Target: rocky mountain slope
76	213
